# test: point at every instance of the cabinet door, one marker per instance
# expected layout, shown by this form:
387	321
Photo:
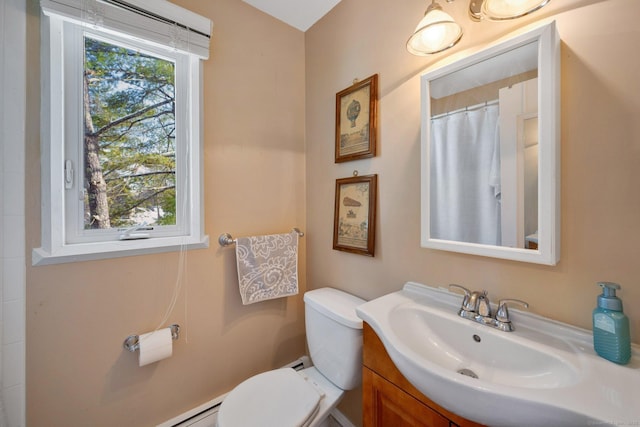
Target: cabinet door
386	405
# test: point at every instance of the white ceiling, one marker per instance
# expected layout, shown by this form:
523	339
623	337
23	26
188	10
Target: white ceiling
301	14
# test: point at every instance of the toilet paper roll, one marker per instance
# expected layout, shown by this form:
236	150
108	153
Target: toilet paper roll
154	346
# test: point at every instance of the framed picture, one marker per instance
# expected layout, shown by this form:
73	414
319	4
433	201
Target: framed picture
354	222
356	120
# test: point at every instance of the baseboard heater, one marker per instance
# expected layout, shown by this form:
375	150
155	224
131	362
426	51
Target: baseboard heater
211	407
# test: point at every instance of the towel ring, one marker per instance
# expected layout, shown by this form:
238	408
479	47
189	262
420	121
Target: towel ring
226	239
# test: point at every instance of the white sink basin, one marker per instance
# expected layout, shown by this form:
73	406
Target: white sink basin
459	345
543	373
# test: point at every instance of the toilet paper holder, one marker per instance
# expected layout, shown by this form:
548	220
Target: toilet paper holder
132	342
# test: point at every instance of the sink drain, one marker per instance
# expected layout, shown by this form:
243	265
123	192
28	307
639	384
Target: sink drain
467	373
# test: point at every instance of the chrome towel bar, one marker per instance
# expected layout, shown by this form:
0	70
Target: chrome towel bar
225	239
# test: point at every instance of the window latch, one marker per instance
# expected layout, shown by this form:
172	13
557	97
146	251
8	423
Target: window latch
68	174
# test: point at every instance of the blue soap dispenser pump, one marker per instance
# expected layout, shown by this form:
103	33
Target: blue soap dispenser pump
611	337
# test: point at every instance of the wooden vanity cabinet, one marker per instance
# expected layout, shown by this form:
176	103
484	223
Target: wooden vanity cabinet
389	400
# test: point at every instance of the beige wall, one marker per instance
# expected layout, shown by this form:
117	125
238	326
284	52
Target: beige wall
600	158
79	314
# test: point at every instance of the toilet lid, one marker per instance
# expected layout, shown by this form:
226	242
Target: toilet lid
279	398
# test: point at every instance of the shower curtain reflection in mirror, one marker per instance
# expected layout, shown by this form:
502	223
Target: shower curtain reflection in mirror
465	176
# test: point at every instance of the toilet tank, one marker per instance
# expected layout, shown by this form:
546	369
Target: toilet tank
334	335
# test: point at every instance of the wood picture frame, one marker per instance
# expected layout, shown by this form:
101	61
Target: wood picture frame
357	120
354	222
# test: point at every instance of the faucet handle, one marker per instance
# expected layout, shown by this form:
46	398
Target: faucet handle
467	295
466	291
502	315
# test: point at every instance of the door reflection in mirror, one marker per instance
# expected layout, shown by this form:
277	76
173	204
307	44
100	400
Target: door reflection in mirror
519	169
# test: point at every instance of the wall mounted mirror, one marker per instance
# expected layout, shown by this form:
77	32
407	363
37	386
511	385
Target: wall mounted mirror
490	157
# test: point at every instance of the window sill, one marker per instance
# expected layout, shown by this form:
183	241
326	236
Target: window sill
115	249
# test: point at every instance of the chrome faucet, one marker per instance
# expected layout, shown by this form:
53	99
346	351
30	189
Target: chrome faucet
477	307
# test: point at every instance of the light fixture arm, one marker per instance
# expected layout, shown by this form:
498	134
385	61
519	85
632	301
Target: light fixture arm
475	10
433	6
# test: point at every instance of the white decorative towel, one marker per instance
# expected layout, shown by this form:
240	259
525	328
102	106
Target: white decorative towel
267	266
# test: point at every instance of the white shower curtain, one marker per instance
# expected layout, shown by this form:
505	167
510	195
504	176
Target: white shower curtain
465	176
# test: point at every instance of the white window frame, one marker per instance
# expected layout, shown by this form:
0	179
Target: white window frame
63	239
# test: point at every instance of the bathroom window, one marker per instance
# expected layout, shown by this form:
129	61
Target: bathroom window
121	146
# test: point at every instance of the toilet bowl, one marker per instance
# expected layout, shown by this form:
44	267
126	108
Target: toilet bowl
288	398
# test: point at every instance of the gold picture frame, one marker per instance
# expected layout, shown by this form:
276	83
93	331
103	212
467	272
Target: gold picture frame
354	222
356	120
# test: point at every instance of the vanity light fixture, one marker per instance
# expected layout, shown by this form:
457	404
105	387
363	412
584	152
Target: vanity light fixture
436	31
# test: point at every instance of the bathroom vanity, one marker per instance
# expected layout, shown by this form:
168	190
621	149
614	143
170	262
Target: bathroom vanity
539	372
389	399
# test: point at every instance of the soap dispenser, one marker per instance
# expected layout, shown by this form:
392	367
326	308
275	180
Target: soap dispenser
611	337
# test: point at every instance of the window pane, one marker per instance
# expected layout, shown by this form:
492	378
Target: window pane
129	137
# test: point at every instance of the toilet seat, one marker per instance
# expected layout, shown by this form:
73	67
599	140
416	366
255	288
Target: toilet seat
278	398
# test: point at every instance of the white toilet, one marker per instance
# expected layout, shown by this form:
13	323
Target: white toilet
288	398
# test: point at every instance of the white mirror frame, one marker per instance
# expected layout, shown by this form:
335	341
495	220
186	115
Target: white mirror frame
548	251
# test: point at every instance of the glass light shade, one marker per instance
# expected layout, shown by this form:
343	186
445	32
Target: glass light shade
436	31
498	10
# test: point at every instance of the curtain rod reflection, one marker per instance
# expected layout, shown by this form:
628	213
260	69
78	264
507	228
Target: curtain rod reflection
466	109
